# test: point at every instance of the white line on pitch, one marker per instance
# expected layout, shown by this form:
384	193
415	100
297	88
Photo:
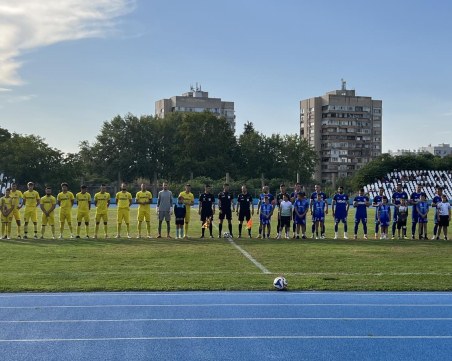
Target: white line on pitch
37	307
392	319
247	255
156	338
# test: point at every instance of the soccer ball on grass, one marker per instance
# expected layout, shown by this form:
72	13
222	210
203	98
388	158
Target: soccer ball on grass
280	283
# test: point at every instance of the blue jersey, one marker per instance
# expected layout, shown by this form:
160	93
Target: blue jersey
319	209
340	210
266	209
314	196
377	200
269	195
415	198
422	207
398	196
301	205
383	211
360	202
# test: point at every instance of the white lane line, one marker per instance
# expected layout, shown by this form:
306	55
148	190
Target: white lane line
163	338
392	319
37	307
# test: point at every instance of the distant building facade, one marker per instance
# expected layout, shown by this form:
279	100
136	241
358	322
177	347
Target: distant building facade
441	150
196	100
345	129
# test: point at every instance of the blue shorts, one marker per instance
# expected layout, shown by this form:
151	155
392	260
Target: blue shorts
385	222
361	219
264	220
318	219
300	220
422	220
340	219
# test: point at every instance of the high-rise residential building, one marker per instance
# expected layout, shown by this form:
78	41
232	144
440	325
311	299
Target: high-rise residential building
196	100
345	129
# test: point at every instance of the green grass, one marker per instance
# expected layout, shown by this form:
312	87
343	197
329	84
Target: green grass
214	264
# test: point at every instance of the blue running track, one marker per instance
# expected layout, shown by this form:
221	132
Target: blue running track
194	326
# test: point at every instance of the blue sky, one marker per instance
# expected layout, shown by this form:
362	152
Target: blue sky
66	66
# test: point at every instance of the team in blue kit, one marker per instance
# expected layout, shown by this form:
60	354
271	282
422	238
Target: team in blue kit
361	202
340	207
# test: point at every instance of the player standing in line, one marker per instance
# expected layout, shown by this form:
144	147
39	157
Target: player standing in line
102	202
383	214
266	212
206	210
144	199
17	198
286	210
301	206
443	216
414	199
422	211
279	198
361	202
189	201
435	201
48	204
180	210
65	199
397	196
314	197
83	199
123	203
7	208
244	203
293	198
402	217
340	206
318	209
165	209
225	201
265	192
31	202
376	202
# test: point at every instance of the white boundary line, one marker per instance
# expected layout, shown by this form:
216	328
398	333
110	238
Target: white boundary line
38	307
247	255
392	319
276	337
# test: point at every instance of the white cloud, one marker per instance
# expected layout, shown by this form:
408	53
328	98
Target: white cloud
30	24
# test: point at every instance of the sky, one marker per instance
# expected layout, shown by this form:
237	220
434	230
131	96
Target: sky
67	66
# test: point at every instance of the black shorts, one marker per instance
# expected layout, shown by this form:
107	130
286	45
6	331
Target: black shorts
444	221
225	214
285	221
180	221
401	224
205	215
244	214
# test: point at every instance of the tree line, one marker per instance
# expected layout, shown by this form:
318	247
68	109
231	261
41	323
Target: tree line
177	148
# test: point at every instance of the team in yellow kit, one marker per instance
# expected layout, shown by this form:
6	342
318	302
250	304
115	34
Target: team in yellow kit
123	203
102	202
48	204
65	200
83	199
144	199
31	202
17	198
7	208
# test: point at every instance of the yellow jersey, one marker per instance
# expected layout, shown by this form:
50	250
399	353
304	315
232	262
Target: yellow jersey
6	203
102	200
189	198
144	199
123	199
83	201
31	199
16	196
65	199
48	202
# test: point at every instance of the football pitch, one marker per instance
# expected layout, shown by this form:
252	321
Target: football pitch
59	265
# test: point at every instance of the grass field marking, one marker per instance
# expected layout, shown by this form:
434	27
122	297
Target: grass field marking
275	337
222	319
201	305
246	254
